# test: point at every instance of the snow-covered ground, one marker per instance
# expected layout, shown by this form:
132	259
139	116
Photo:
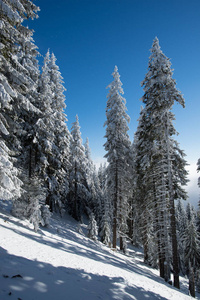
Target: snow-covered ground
61	263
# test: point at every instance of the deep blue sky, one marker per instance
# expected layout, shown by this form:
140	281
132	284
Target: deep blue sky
90	37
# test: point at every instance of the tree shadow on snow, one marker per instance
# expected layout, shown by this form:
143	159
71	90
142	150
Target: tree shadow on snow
66	235
80	247
21	278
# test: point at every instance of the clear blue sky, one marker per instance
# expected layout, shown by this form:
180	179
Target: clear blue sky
90	37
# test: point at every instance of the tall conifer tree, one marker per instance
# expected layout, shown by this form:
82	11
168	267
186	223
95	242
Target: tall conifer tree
52	135
78	186
61	149
117	147
159	155
18	82
198	169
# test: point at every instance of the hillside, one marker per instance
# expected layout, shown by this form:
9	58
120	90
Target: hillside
60	262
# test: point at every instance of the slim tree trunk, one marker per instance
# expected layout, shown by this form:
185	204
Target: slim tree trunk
175	259
120	218
49	202
114	227
130	225
191	282
75	195
115	210
145	239
30	162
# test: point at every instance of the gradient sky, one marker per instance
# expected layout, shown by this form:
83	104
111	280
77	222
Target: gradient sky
90	37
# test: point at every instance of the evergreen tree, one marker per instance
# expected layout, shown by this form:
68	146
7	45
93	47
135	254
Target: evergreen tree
198	169
61	148
18	86
10	184
198	212
96	196
52	135
117	147
191	239
105	203
198	217
106	216
144	188
105	232
45	133
92	228
102	176
181	222
159	161
78	186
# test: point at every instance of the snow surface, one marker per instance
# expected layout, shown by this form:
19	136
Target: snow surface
60	262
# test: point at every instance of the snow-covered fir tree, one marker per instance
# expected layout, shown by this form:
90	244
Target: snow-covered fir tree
117	147
18	85
102	176
181	223
198	169
134	214
144	186
105	203
105	232
45	133
52	135
79	193
10	184
95	203
198	217
61	148
191	239
92	228
160	162
106	214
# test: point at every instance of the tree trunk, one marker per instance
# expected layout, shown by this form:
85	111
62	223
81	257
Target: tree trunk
115	210
49	202
192	283
145	239
120	219
75	213
121	243
175	259
114	231
162	267
130	225
30	162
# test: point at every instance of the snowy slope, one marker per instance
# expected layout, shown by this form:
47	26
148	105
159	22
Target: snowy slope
61	263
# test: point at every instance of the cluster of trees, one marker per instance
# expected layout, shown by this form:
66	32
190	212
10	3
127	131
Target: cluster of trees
43	166
46	168
146	177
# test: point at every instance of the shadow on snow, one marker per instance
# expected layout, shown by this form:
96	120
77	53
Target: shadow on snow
43	281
